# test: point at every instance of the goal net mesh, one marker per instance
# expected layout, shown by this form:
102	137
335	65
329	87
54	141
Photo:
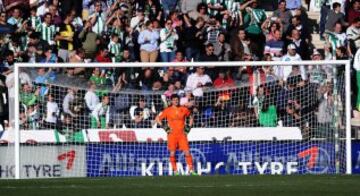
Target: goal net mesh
100	121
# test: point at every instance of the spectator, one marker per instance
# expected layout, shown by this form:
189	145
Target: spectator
240	45
354	11
275	46
209	55
100	116
115	49
194	38
98	18
335	16
52	113
302	46
197	81
189	5
148	39
291	55
91	99
90	40
222	49
268	114
337	38
65	37
353	36
282	14
47	30
168	37
293	4
140	115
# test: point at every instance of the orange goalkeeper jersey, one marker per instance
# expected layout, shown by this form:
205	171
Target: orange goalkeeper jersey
176	117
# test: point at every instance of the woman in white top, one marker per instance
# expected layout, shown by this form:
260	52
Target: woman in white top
168	37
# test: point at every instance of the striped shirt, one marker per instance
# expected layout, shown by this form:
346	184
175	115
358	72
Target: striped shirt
35	21
47	32
336	40
213	12
99	25
115	51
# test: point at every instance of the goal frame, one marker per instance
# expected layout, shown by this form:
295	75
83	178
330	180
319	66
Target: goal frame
345	63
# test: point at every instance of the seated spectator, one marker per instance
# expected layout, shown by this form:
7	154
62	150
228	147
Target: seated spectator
354	11
296	24
100	116
103	55
269	27
197	81
302	47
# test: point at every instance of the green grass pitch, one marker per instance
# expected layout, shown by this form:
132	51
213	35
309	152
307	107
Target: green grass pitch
187	185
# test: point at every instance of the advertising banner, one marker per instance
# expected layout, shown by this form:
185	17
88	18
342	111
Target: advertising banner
355	148
44	162
212	158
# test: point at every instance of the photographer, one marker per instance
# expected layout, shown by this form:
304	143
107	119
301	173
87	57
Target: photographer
168	37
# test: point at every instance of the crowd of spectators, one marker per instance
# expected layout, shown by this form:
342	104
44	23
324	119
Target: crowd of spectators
113	31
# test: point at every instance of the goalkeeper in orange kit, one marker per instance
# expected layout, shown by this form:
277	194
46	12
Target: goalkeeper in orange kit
177	139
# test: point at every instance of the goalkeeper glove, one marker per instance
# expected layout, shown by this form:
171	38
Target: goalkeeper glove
187	129
166	128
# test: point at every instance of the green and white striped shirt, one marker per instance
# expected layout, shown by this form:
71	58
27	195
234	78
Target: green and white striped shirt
336	40
232	5
35	21
99	26
47	32
115	50
213	12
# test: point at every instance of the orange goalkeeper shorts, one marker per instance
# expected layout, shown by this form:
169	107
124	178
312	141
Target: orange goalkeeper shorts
178	141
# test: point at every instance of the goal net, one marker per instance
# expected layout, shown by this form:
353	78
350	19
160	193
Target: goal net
92	120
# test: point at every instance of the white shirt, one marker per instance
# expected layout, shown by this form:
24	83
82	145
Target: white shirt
91	100
357	60
101	110
284	71
51	108
168	42
193	81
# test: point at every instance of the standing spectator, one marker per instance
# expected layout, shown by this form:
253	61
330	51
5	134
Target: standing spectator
189	5
15	20
275	47
283	14
100	116
148	40
89	39
194	39
335	16
284	71
197	81
222	49
140	115
357	69
52	112
68	100
91	99
354	11
240	45
47	30
302	46
115	48
353	35
65	38
98	19
337	38
293	4
34	19
168	37
268	114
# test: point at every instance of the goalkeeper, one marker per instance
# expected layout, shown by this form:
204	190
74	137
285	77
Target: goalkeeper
177	139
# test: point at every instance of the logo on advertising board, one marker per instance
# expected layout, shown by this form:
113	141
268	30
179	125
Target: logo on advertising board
45	162
318	160
69	157
117	136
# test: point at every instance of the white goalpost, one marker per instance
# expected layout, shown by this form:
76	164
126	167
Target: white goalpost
273	119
